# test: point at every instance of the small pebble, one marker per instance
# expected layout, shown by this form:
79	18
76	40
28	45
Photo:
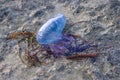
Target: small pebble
52	77
89	71
37	13
7	71
75	67
39	72
61	68
1	58
35	78
69	71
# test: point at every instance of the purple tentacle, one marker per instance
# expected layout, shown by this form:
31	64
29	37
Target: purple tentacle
81	48
68	46
58	50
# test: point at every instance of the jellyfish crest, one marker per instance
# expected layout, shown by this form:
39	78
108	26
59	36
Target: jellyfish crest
51	31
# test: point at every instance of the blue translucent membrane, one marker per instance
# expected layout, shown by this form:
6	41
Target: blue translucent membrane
51	31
